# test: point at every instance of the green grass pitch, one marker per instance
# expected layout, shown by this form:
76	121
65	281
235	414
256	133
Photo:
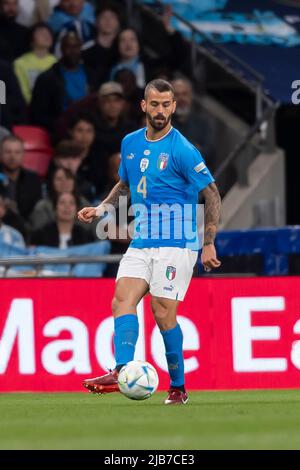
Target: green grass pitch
212	420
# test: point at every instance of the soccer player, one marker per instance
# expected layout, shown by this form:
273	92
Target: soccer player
161	170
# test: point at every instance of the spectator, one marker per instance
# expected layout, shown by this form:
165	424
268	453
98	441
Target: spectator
172	51
43	9
133	94
26	12
14	38
30	65
35	11
68	154
64	83
130	56
11	218
145	68
13	112
61	181
23	186
83	132
190	121
64	231
112	124
178	54
8	234
72	15
108	109
102	53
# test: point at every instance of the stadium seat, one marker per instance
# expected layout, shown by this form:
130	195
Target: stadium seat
38	150
37	161
35	138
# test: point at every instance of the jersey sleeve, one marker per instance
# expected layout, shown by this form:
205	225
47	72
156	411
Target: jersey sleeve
122	168
194	168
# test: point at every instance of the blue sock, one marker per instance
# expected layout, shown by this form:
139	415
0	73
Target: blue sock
126	335
173	340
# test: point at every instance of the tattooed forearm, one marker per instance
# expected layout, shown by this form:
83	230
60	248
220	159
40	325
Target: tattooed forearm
212	212
120	189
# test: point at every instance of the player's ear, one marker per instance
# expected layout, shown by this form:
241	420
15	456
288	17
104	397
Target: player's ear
174	107
143	105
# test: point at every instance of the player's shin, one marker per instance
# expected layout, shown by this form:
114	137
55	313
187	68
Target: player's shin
126	335
173	340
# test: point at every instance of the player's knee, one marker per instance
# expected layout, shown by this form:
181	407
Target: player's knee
164	313
164	318
160	313
118	303
122	304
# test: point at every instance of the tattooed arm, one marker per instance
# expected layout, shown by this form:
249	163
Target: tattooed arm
120	189
87	214
212	211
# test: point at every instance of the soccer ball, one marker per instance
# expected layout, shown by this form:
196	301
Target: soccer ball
138	380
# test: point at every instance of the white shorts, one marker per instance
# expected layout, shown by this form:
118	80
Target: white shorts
167	270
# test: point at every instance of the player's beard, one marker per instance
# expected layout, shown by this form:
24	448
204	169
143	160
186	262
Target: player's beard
158	125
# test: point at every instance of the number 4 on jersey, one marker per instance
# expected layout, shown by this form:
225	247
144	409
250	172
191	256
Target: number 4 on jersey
142	187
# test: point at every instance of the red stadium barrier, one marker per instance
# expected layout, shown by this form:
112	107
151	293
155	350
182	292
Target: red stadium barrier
238	333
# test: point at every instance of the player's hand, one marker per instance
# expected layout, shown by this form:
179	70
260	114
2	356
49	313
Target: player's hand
88	214
209	258
166	18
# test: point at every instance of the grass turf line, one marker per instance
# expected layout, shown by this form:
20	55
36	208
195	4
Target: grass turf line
212	420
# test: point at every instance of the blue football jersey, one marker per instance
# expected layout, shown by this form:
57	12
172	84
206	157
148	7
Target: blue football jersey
165	177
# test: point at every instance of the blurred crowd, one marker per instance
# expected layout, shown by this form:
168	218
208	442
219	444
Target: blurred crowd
77	70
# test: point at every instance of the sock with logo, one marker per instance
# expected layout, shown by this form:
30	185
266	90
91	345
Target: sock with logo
173	340
126	335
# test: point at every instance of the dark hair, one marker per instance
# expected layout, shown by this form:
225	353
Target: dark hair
67	149
160	85
110	6
70	34
68	174
59	195
82	116
40	25
123	70
163	71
